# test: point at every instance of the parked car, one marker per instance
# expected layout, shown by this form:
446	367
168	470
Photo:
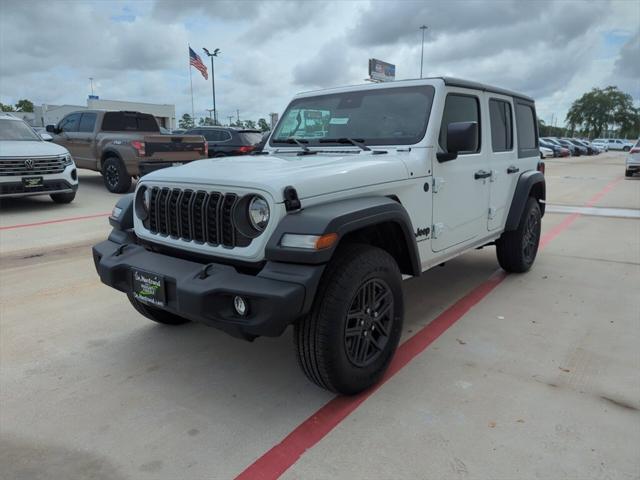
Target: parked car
632	163
590	149
31	166
123	145
601	144
573	150
580	149
226	141
319	230
616	143
558	150
546	152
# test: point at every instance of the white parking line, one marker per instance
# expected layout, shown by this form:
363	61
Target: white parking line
595	211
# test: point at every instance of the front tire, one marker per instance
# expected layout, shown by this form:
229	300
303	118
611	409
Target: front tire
156	314
63	197
517	249
347	341
115	175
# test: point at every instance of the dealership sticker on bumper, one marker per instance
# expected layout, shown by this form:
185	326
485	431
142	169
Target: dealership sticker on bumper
148	288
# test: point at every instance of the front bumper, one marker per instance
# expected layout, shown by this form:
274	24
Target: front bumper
17	189
278	295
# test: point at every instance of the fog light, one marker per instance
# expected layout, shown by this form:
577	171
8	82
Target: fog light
241	306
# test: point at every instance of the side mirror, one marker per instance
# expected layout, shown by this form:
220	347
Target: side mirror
51	128
46	137
461	137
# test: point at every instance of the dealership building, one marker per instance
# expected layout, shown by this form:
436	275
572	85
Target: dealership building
46	114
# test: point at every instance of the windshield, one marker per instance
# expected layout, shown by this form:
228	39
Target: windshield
385	116
17	130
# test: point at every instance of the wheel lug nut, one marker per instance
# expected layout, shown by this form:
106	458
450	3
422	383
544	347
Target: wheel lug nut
365	333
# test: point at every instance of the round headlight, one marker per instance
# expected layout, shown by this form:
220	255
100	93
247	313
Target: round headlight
259	213
142	202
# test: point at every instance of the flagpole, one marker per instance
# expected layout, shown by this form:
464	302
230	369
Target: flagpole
193	115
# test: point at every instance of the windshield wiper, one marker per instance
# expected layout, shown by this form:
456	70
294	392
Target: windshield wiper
300	143
358	142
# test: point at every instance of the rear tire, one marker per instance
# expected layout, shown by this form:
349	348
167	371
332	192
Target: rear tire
115	175
626	149
347	341
156	314
517	249
63	197
628	173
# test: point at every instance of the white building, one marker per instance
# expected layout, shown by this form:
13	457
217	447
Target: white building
45	114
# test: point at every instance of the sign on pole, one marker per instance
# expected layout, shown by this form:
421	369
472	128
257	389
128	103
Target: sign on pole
380	71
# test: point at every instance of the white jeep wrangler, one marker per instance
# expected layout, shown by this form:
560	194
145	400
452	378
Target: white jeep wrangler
355	188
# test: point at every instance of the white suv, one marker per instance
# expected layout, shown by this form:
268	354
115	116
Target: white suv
356	188
632	163
31	166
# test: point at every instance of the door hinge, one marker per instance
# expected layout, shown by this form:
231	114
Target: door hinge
438	183
492	213
437	229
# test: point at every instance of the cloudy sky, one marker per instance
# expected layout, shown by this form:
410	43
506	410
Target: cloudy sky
137	50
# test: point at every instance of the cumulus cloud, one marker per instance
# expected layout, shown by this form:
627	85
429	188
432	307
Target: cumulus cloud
553	50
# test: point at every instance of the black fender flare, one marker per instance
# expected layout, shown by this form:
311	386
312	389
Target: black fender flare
526	183
341	217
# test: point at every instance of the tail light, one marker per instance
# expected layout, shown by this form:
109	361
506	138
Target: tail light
635	150
246	148
206	149
138	146
541	167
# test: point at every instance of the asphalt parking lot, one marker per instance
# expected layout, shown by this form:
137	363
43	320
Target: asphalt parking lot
499	377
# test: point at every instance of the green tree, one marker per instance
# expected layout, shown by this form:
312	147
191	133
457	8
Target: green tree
206	121
263	125
249	124
7	108
24	105
186	122
599	110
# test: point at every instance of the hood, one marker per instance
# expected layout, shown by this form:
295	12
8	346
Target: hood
36	148
310	175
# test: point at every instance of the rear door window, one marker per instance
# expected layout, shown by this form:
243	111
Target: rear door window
459	108
527	132
70	123
501	125
87	122
132	122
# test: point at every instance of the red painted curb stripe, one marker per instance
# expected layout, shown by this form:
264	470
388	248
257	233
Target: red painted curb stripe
61	220
273	463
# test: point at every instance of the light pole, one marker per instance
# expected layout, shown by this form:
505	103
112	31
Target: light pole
213	82
423	28
91	81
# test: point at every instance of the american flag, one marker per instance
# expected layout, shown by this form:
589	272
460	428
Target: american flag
196	61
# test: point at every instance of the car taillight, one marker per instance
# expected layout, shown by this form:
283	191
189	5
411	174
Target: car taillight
635	150
246	148
138	146
541	167
206	149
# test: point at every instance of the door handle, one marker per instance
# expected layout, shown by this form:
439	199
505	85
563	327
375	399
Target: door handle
513	169
481	174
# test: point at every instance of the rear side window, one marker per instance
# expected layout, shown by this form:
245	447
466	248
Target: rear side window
501	125
70	123
527	133
132	122
87	122
459	108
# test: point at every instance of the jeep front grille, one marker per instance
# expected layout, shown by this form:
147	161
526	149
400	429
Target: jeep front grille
204	217
31	166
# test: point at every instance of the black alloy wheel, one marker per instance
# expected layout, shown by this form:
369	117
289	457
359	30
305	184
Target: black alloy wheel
369	322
